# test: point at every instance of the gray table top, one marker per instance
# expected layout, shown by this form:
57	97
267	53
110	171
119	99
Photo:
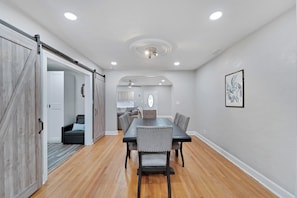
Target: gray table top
178	134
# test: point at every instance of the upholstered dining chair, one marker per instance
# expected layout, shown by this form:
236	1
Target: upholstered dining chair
182	123
149	114
154	145
176	118
125	123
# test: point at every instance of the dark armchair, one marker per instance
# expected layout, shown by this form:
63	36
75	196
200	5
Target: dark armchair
76	134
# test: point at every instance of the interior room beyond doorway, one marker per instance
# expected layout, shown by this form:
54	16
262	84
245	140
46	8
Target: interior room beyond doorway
138	93
69	82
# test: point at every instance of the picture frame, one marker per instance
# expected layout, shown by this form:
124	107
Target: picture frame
234	89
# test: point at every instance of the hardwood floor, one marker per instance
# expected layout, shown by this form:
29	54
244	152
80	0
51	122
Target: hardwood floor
98	171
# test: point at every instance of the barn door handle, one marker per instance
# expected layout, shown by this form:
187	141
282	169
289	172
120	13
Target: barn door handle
82	90
41	124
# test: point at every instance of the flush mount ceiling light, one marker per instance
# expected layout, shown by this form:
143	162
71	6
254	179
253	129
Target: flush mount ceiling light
70	16
216	15
113	63
151	52
149	48
176	63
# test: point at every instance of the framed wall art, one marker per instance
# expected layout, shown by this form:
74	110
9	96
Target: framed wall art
234	89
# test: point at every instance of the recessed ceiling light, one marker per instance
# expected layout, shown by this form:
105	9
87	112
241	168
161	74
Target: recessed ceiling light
162	80
113	63
70	16
215	15
160	83
176	63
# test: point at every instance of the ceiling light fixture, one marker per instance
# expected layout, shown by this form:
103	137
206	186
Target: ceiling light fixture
113	63
70	16
150	47
176	63
216	15
151	52
130	84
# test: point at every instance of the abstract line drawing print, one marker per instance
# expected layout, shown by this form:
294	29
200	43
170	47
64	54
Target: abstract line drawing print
234	89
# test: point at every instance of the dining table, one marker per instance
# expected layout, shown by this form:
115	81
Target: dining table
178	134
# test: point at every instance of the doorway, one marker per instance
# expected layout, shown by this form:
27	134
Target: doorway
74	103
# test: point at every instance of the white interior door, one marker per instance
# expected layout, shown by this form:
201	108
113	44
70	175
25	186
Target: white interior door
55	94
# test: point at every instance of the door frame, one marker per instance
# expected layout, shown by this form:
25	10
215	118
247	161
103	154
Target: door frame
45	55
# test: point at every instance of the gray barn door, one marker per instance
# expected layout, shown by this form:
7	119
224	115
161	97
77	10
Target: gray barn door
20	149
99	107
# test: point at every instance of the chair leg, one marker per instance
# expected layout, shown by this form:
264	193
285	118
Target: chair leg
127	154
128	151
139	177
139	184
126	161
176	153
181	153
168	175
169	186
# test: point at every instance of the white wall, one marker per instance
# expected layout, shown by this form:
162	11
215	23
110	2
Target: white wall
74	99
182	95
162	100
263	133
79	103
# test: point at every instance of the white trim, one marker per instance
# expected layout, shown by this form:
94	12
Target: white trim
44	115
45	54
191	133
111	132
269	184
88	110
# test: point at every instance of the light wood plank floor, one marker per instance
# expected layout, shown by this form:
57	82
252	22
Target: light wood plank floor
98	171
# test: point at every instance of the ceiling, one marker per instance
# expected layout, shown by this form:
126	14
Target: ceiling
110	30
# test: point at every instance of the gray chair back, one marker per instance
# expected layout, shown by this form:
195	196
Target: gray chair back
176	118
154	139
149	114
124	120
183	122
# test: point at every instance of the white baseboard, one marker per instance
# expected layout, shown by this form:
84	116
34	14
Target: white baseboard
111	132
272	186
54	140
